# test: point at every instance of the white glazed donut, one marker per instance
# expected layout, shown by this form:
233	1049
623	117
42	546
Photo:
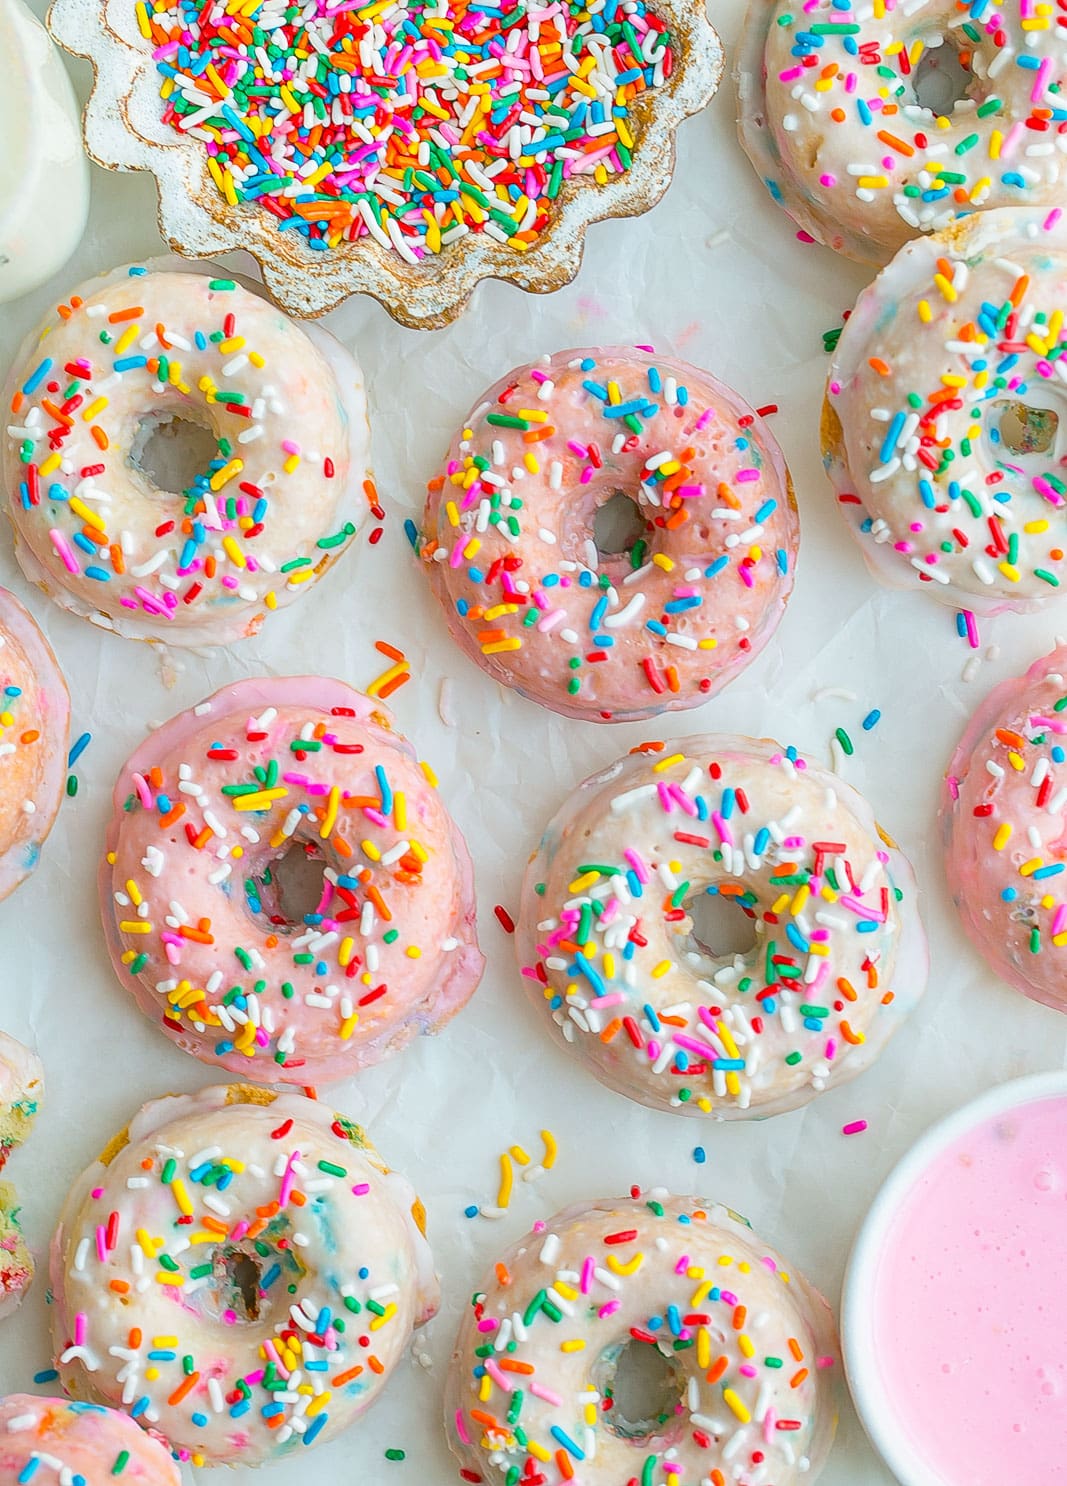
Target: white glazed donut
208	808
21	1089
700	585
53	1442
608	953
944	428
830	115
284	409
745	1354
263	1236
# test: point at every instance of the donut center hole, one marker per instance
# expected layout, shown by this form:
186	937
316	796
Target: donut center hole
237	1276
641	1389
941	79
720	927
172	453
1025	429
288	891
618	524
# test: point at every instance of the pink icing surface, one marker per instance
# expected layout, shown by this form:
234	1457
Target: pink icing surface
77	1440
970	1309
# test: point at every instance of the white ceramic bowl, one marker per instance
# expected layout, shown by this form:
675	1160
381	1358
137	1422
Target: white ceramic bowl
887	1432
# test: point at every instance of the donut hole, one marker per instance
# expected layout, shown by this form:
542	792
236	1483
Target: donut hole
289	890
237	1275
719	926
618	524
941	79
1024	429
172	453
641	1389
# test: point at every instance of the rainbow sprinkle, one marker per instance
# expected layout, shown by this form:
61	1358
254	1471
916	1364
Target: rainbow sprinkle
412	123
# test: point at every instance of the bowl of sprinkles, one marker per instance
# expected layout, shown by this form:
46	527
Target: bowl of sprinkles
405	149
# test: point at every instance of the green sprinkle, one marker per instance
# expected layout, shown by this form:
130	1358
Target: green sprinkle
331	1169
121	1463
793	1058
394	1455
845	741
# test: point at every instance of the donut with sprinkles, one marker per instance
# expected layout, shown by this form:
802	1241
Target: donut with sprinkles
738	1354
239	1272
1004	821
655	618
282	890
874	123
940	430
34	729
609	935
54	1442
278	489
21	1092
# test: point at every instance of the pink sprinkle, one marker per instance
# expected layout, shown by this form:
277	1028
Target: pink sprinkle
857	1127
461	1428
586	1283
361	1190
288	1180
81	1326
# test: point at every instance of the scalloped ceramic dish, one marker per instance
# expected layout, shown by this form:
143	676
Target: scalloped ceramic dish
125	130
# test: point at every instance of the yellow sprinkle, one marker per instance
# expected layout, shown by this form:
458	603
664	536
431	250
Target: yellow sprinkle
507	1176
370	850
519	1155
51	464
94	407
703	1347
380	1321
663	561
165	1278
134	892
413	952
330	819
151	1246
660	970
181	1196
700	1295
577	1345
1016	761
616	1265
135	926
1010	571
225	475
262	800
498	645
1029	868
126	339
926	314
745	1345
1000	840
667	763
291	463
538	1451
317	1405
1036	527
233	552
348	1026
947	290
551	1150
586	880
427	769
800	899
732	1402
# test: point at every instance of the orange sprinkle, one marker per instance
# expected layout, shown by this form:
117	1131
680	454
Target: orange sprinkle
796	1349
134	313
901	146
30	736
503	1275
171	816
133	1341
120	1287
717	1369
798	1378
611	1031
184	1388
508	1364
345	1377
99	437
845	987
881	367
390	650
739	1317
1005	735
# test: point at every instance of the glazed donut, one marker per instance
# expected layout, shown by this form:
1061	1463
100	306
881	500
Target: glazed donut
830	114
611	955
197	919
746	1351
1004	822
262	1236
940	432
21	1087
53	1442
284	409
34	729
509	543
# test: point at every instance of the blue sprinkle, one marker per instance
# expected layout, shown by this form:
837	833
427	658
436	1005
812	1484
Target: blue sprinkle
470	1212
36	378
319	1425
871	720
700	1155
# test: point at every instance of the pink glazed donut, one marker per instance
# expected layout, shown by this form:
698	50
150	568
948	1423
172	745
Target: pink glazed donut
208	935
673	611
53	1442
34	724
1004	821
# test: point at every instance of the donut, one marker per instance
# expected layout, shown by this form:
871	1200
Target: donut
278	977
940	433
651	1339
695	589
21	1088
278	409
874	125
262	1236
609	941
54	1442
1004	824
34	730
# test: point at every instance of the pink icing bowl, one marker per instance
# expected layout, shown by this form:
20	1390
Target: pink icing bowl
954	1310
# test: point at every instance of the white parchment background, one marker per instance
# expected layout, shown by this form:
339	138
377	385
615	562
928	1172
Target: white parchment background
714	274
